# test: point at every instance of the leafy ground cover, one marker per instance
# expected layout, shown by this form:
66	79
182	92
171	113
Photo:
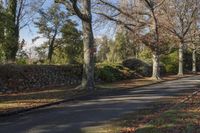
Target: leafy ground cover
176	115
184	118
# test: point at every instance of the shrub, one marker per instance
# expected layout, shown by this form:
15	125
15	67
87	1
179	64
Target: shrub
146	55
21	61
139	66
170	62
112	72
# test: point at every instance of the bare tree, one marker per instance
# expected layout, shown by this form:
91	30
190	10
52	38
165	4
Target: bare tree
141	17
152	5
179	18
193	39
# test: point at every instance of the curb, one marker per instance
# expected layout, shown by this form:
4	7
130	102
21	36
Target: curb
87	96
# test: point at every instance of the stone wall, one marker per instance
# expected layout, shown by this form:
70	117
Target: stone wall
15	78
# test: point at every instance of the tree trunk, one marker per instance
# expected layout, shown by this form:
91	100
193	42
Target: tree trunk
50	53
156	66
194	61
88	42
51	47
180	68
155	55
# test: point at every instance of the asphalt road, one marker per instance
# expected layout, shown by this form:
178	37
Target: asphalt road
78	116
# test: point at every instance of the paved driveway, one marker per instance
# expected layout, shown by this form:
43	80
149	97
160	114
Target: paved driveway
77	116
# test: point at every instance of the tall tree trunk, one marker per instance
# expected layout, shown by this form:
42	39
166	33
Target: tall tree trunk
155	53
50	52
156	66
180	68
88	42
51	47
194	61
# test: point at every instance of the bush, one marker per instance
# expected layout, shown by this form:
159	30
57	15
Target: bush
146	55
170	62
21	61
139	66
142	67
112	72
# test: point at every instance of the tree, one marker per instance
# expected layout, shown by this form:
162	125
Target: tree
2	29
22	55
179	18
49	24
2	23
140	18
72	43
104	48
2	26
193	39
88	39
68	46
40	53
154	28
18	14
121	49
12	34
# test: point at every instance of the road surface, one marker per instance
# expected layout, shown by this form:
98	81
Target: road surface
78	116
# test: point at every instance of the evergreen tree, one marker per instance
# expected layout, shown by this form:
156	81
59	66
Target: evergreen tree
49	24
104	49
2	24
2	29
11	43
72	43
